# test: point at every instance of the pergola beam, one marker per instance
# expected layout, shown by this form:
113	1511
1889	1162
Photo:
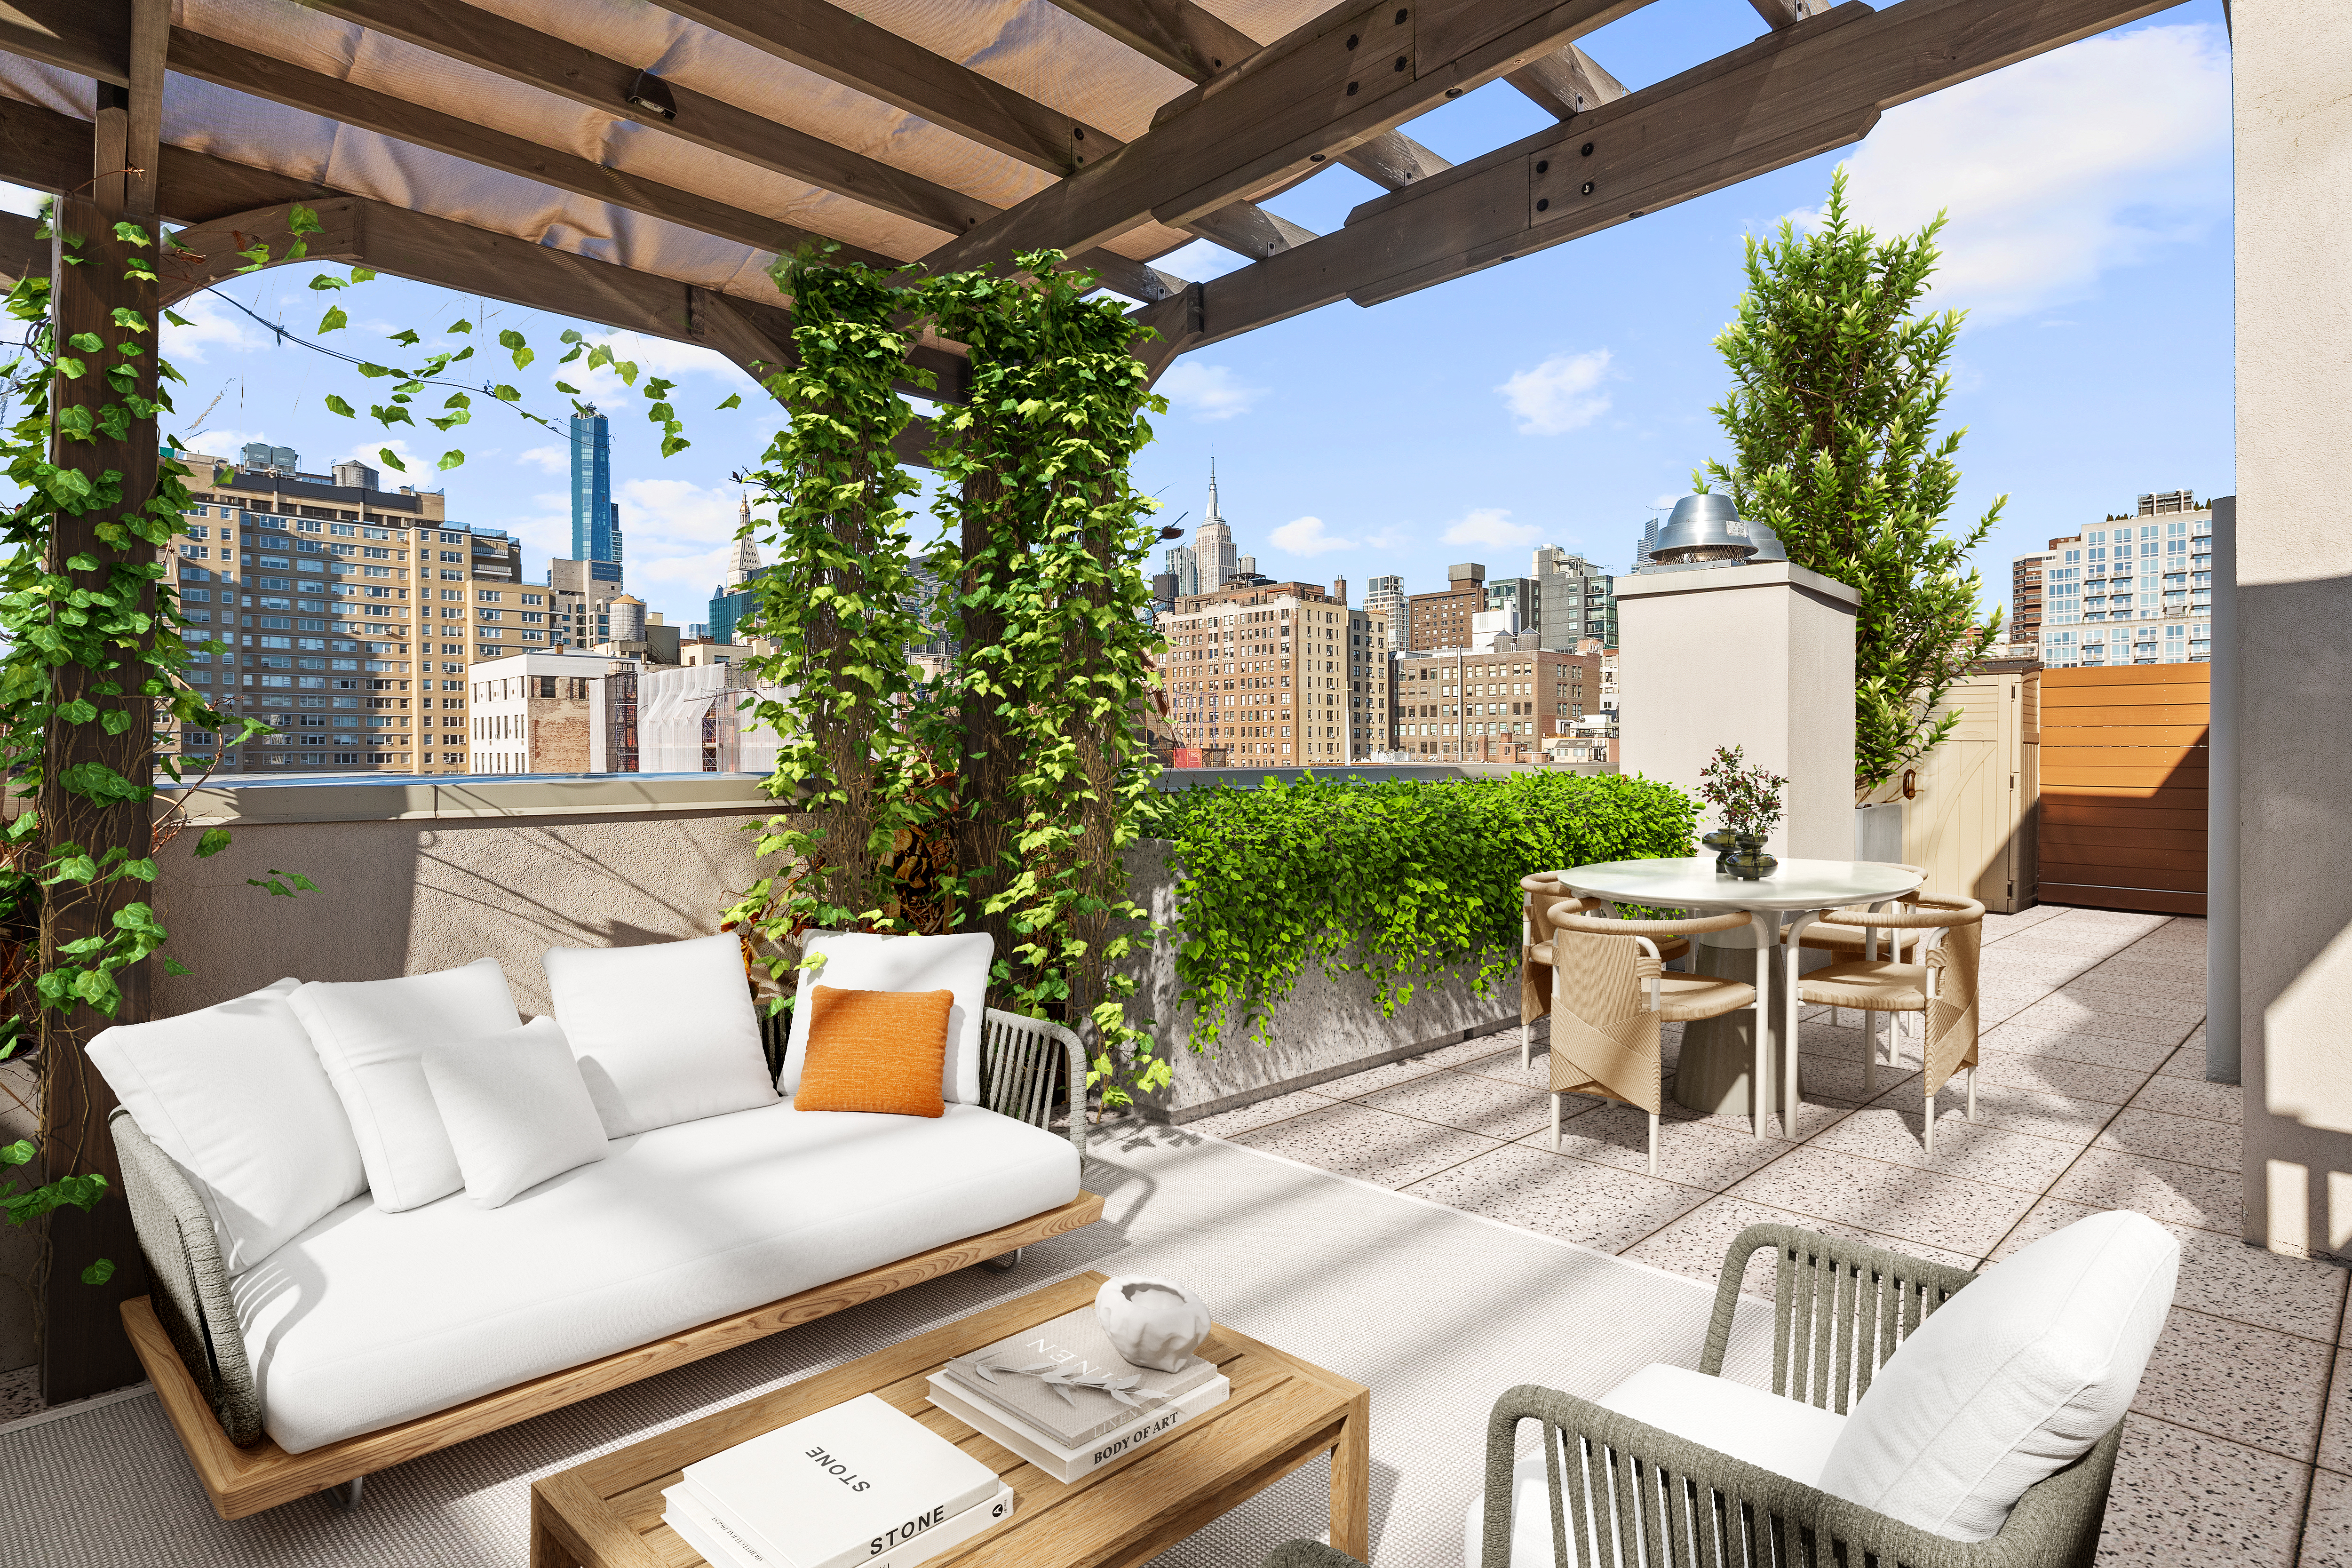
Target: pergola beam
1323	89
1567	82
1784	98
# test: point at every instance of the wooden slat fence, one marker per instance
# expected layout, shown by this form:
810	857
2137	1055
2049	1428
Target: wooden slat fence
2123	787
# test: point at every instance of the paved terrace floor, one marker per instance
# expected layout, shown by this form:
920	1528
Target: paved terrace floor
2091	1096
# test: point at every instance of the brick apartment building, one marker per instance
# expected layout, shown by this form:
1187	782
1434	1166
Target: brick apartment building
1277	675
1494	707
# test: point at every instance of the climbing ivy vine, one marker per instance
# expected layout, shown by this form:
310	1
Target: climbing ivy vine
1400	882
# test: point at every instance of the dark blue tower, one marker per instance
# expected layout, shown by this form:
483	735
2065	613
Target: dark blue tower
592	489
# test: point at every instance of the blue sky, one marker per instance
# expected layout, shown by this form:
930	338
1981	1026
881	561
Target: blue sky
1553	400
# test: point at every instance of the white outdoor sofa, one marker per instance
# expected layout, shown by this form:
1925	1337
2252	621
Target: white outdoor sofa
371	1336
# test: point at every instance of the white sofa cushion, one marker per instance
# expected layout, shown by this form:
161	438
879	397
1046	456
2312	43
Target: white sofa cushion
2011	1380
859	960
1783	1436
515	1109
664	1032
368	1319
236	1096
371	1036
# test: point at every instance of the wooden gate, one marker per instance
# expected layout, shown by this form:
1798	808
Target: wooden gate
2123	786
1968	819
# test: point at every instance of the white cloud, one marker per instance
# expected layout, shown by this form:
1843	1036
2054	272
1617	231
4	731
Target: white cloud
1489	525
553	459
212	324
2058	168
1207	391
1306	536
652	356
1559	395
1666	499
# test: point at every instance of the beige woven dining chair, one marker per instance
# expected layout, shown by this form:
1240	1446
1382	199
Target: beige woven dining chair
1543	890
1611	992
1940	985
1842	942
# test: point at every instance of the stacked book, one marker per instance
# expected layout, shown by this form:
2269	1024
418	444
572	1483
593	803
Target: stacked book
859	1483
1063	1399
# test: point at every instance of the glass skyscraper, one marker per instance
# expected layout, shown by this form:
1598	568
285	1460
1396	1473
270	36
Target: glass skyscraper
594	536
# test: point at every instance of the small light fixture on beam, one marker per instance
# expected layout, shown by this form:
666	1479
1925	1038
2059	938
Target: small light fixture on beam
650	94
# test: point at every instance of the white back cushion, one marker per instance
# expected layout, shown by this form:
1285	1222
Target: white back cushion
371	1036
236	1096
516	1110
664	1032
859	960
2011	1380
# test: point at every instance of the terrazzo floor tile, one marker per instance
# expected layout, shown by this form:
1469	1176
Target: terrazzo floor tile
20	1393
1975	1150
1463	1052
1814	1112
1835	1079
2327	1533
1504	1065
2252	1386
2190	1096
1694	1153
2336	1437
1371	1079
1998	1006
2139	1056
2188	1061
1228	1124
2081	947
2047	970
2162	1189
2045	1074
2194	1139
2062	1117
2134	1000
2222	1276
2118	975
2182	1499
1487	1105
2089	1013
1924	1206
1695	1245
1351	1140
1575	1200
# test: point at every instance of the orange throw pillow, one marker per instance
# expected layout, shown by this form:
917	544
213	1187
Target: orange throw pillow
875	1050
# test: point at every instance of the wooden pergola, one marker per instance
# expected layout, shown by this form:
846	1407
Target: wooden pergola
640	166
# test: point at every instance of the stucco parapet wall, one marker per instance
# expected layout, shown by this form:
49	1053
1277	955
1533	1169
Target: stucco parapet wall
1715	579
457	797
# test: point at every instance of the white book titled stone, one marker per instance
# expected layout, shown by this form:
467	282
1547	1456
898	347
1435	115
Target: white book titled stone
844	1485
698	1525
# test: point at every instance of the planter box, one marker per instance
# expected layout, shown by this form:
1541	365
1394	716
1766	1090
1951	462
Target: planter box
1321	1031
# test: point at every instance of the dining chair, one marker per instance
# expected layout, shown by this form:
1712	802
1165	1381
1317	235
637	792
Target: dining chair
1843	942
1543	890
1940	985
1611	992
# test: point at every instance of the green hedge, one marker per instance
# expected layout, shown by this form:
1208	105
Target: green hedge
1395	882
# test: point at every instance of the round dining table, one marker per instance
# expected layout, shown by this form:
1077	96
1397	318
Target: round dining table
1724	1061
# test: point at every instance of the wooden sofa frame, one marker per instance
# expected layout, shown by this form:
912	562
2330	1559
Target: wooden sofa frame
184	1335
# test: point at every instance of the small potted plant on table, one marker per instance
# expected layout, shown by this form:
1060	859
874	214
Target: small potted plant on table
1749	800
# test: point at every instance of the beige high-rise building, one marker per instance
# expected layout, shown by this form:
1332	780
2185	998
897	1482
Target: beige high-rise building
1277	675
2135	589
352	613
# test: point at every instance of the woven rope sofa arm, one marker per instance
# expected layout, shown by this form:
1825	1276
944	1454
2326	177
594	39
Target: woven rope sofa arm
1020	1071
187	1281
1308	1554
1639	1494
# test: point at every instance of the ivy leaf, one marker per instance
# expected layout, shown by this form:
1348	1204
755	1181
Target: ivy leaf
406	337
124	316
363	274
99	1272
174	317
511	339
85	342
734	400
334	321
461	326
335	405
567	389
395	464
215	840
300	219
450	459
322	281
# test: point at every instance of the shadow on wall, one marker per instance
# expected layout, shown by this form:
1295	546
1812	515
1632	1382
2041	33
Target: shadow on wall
408	898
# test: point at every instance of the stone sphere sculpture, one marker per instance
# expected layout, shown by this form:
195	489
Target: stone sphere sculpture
1152	1321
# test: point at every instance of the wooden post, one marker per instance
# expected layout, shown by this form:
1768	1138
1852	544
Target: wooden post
84	1350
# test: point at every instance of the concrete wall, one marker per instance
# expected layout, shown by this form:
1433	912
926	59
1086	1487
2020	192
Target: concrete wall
1321	1032
1756	656
2289	661
415	878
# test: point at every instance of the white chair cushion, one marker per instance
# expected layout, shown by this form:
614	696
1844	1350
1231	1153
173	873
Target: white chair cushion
1783	1436
515	1109
859	960
2011	1380
371	1036
369	1319
236	1096
664	1032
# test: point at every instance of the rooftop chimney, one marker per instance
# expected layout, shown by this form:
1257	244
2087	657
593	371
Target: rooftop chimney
1339	589
1468	572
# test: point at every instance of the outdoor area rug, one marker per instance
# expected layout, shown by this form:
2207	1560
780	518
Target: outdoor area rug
1436	1311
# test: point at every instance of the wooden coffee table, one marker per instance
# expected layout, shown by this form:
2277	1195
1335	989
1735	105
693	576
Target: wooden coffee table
1282	1412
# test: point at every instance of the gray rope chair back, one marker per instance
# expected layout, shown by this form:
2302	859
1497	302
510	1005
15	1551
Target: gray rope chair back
1023	1061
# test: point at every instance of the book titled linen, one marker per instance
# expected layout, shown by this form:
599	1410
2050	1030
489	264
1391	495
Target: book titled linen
1069	1464
823	1491
700	1526
1063	1381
